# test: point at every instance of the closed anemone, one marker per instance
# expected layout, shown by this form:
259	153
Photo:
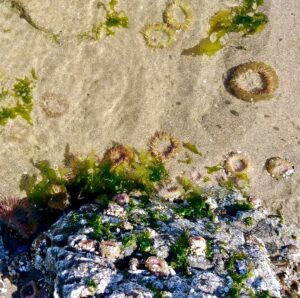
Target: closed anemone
159	36
170	15
117	155
16	214
237	163
240	85
278	167
163	146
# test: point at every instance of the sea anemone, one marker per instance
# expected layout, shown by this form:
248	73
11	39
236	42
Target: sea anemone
237	163
278	167
170	146
157	266
170	191
118	155
54	105
16	214
267	75
171	20
153	41
29	290
121	199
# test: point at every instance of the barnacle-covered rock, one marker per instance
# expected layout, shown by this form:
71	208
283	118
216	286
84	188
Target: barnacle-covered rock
88	252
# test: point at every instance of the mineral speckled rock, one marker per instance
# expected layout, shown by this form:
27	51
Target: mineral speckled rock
242	256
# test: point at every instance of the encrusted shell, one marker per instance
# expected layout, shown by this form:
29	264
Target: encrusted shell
157	266
197	245
110	249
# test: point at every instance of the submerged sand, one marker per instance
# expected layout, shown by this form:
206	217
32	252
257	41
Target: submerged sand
119	90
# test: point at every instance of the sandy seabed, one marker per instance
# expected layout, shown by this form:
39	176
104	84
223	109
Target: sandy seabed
119	90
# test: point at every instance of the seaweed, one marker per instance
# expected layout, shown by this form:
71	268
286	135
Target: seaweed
249	221
113	19
243	19
22	93
194	204
192	147
93	178
179	252
238	278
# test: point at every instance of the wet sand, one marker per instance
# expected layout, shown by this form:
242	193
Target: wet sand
118	89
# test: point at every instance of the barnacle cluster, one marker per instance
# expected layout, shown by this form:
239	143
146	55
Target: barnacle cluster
163	35
267	75
244	19
54	105
21	93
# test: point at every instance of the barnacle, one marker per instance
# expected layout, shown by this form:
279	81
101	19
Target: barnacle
171	20
118	154
163	145
159	36
237	163
197	245
54	105
157	266
278	167
110	249
16	214
268	78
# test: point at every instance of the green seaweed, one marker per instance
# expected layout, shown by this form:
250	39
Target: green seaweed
179	252
92	178
192	147
214	169
142	241
244	19
249	221
208	250
113	19
21	92
238	279
194	205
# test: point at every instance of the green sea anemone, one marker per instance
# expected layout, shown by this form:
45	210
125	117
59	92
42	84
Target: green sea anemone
278	167
163	146
237	163
267	75
159	36
54	105
170	19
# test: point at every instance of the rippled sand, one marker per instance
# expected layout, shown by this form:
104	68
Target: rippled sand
117	89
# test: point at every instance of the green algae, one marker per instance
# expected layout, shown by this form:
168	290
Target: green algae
22	93
179	252
143	241
238	279
92	178
214	169
194	203
243	19
249	221
113	19
193	148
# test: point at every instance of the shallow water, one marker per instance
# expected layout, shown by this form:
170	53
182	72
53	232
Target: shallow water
117	89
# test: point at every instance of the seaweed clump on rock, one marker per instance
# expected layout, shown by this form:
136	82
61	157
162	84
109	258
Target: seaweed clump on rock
121	237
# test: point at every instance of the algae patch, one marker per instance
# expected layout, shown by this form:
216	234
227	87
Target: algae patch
22	95
244	19
113	19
